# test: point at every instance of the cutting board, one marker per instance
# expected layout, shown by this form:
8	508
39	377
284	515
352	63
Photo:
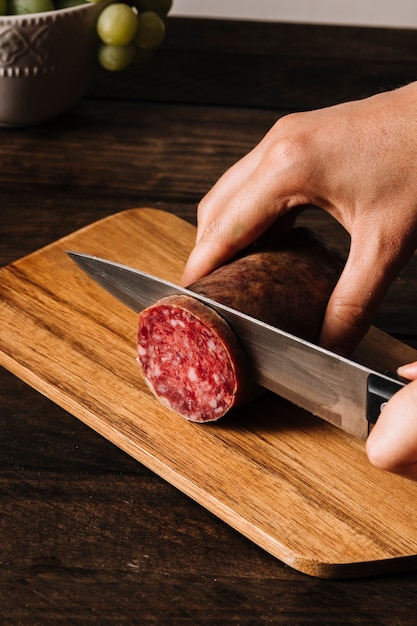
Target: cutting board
296	486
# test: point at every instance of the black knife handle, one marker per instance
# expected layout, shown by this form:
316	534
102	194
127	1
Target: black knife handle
380	390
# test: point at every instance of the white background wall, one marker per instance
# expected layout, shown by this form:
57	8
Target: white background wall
398	13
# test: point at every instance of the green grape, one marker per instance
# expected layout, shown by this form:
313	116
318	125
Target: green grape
162	7
21	7
3	7
117	24
151	30
116	58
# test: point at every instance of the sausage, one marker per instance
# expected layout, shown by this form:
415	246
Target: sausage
189	356
191	359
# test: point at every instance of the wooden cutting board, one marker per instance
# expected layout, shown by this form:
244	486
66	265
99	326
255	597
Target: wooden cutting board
293	484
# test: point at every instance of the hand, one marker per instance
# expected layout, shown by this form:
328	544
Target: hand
357	161
392	444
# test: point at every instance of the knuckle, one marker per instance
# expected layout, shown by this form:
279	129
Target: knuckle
202	209
215	235
355	315
286	153
353	318
289	144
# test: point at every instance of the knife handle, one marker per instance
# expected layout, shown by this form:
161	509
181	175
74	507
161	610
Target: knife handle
380	390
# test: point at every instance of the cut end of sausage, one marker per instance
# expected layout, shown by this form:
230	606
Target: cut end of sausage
191	359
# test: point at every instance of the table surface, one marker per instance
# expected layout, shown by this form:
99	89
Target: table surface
88	534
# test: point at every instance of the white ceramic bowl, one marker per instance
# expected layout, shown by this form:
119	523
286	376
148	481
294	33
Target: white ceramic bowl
46	62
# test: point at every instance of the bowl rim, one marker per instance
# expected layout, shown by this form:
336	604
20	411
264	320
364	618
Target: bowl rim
43	15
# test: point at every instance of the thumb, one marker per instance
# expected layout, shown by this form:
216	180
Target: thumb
360	289
408	371
392	444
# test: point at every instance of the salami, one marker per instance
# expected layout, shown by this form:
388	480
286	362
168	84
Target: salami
189	356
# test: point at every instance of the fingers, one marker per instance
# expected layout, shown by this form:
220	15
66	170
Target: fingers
248	198
349	311
230	232
370	268
236	181
215	201
230	217
408	371
392	444
244	217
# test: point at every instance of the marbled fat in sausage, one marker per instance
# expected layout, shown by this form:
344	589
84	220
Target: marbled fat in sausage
191	359
188	354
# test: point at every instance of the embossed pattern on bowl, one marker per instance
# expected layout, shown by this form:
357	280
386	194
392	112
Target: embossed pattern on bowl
46	62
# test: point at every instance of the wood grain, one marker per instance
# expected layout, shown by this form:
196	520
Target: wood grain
296	486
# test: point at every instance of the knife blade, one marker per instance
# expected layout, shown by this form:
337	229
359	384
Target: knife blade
334	388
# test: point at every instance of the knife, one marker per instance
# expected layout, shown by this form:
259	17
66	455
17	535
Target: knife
334	388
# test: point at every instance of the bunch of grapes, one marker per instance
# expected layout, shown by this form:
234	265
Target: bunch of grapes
131	32
128	31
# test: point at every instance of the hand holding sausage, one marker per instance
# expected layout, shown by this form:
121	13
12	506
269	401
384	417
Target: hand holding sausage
358	162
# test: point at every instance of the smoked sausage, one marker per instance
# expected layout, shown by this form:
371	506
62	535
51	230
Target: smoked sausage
189	356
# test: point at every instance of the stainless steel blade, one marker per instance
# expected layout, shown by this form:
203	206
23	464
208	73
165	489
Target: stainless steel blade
321	382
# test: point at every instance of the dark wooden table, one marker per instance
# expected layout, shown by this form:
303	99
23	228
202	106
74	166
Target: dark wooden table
88	535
